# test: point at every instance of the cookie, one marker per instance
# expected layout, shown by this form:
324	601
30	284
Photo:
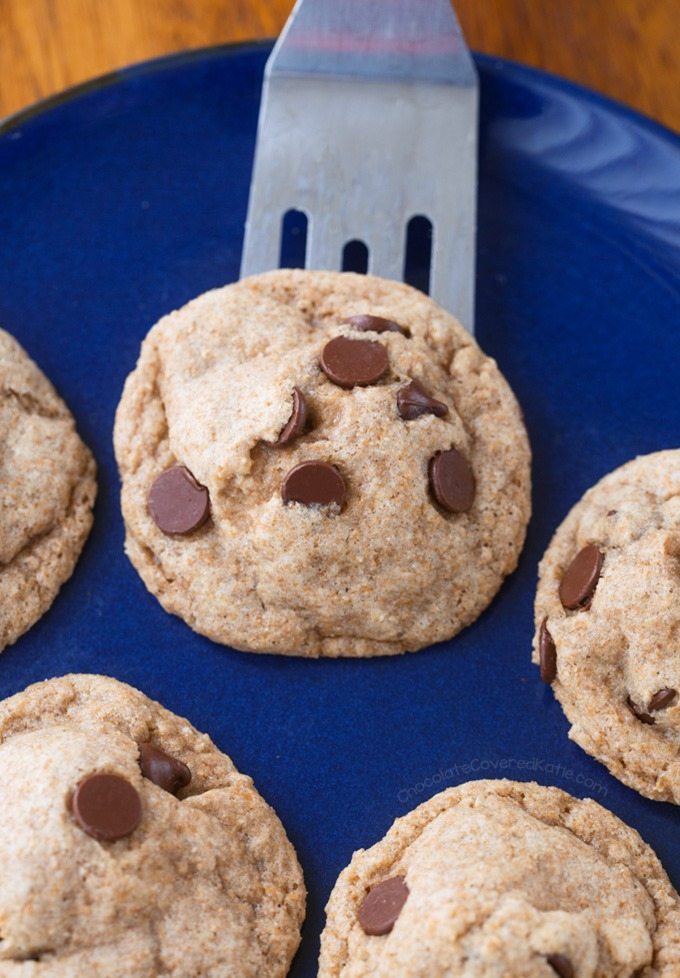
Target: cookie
496	879
134	846
320	464
47	490
608	623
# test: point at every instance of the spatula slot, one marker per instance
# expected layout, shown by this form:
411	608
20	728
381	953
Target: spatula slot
418	252
293	239
355	257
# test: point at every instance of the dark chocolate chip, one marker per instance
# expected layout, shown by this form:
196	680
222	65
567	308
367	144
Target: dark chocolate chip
662	699
314	484
106	806
640	714
413	401
354	363
177	503
296	422
578	584
375	324
561	965
382	905
166	771
452	481
547	654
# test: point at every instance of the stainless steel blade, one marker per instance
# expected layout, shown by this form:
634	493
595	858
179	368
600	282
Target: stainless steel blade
369	117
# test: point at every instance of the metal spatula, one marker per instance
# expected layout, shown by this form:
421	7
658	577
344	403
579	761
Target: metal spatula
369	119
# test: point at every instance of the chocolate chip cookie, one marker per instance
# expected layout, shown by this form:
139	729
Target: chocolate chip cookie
132	846
608	623
321	464
47	490
495	879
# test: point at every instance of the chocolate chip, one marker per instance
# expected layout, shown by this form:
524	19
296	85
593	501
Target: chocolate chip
296	422
166	771
413	401
375	324
314	484
452	481
177	503
662	699
382	905
354	363
580	578
561	965
547	654
640	714
106	806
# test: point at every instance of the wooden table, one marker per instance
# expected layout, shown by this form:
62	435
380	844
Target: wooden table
629	49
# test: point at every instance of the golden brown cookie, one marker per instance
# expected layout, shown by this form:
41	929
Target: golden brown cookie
321	464
47	490
608	623
132	846
497	879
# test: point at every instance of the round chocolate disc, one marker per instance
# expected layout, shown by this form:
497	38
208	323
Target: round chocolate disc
297	421
382	905
106	806
639	713
375	324
452	481
547	654
663	699
561	965
354	363
314	484
414	401
177	503
163	769
580	578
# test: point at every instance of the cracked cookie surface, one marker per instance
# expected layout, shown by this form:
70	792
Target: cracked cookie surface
615	663
47	490
202	881
410	504
504	878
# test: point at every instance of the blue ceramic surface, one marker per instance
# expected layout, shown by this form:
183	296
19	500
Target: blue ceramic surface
120	202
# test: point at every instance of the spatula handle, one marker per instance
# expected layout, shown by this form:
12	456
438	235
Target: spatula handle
374	38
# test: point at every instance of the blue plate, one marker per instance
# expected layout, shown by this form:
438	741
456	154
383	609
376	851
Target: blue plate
122	200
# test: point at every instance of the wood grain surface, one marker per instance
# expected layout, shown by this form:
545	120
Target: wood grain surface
629	49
